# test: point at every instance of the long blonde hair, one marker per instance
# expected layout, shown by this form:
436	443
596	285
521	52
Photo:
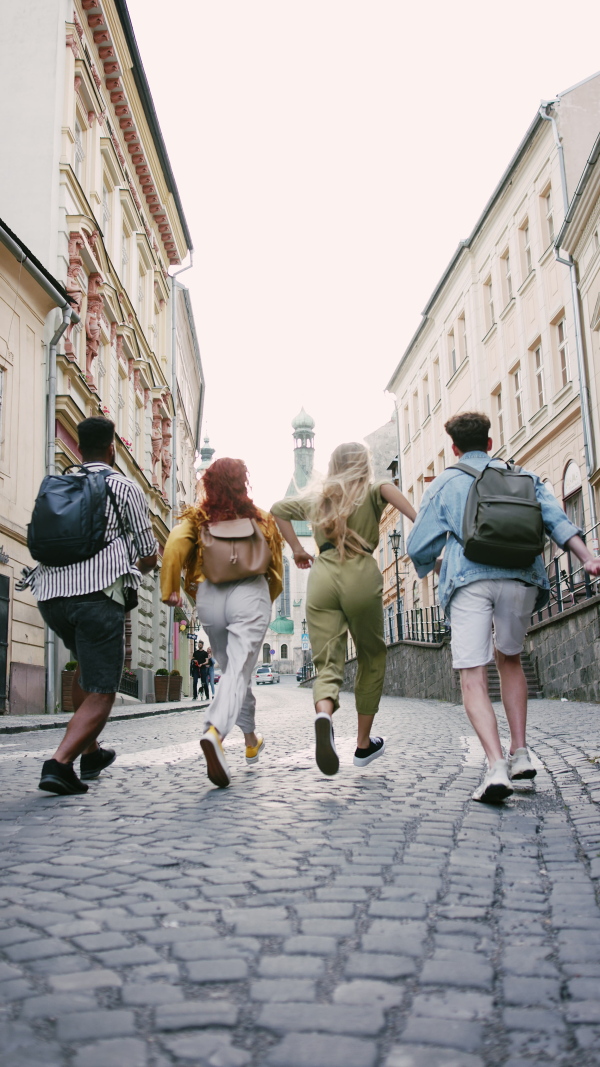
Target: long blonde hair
332	501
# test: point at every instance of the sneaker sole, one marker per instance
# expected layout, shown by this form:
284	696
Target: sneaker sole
327	758
524	774
358	762
494	794
214	768
50	784
89	776
254	759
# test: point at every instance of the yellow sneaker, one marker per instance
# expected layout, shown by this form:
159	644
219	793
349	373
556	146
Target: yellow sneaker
252	754
216	764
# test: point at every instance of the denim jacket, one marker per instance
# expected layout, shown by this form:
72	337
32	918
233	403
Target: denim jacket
438	526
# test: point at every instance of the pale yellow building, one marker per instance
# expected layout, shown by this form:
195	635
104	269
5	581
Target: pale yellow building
500	332
95	197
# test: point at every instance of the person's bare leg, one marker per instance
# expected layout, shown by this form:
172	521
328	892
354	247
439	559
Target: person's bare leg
365	723
325	705
513	686
478	706
250	739
88	721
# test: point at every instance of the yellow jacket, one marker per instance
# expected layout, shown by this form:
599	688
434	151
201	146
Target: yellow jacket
183	552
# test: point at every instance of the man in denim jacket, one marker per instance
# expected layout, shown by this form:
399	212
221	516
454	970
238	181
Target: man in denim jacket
476	596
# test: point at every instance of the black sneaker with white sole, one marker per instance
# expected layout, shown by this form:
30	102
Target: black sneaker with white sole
60	778
364	756
326	755
94	763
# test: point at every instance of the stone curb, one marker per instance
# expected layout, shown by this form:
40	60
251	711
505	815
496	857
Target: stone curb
48	722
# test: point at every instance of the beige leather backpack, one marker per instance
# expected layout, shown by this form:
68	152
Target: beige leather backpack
233	550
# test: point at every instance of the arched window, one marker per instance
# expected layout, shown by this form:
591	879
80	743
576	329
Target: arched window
266	653
284	652
416	595
283	601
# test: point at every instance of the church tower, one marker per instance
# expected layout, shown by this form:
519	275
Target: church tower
304	452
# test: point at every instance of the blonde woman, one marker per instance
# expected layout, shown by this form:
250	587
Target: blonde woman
344	591
235	614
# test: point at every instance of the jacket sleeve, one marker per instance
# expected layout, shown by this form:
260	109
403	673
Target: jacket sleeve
557	525
428	536
289	509
180	545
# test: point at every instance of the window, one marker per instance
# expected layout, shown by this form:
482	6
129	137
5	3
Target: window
406	424
452	352
266	653
284	652
508	289
426	397
489	304
124	255
416	596
500	418
539	376
464	348
79	154
549	214
563	352
381	555
437	385
2	390
526	248
105	210
142	298
518	393
283	601
416	419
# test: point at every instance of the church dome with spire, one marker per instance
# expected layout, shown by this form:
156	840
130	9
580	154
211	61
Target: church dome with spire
303	421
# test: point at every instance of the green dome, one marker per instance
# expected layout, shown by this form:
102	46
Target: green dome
281	625
303	421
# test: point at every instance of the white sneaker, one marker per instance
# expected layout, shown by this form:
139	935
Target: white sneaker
496	784
520	765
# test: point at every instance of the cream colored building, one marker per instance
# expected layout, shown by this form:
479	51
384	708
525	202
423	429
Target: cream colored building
500	333
95	197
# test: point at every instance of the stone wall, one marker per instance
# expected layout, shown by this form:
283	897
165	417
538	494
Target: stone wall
415	670
565	651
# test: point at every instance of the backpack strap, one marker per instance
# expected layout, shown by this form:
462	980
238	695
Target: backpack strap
473	471
120	522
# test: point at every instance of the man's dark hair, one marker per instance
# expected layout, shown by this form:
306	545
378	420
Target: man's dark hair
96	435
469	431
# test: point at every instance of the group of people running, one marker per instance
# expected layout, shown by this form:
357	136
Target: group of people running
489	606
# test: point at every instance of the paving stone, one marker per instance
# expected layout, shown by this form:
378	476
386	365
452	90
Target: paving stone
54	1004
21	1047
78	982
217	970
196	1013
382	994
317	946
453	1033
421	1056
291	967
281	990
39	949
88	1025
531	991
114	1052
146	994
204	1047
126	957
320	1050
379	965
335	1018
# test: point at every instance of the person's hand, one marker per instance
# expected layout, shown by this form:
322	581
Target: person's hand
174	601
303	559
592	566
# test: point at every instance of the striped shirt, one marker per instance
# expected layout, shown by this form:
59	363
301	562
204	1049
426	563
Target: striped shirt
115	559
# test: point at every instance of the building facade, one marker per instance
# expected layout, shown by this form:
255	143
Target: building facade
95	198
500	332
283	641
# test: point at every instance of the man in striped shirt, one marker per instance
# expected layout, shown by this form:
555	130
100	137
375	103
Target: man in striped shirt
84	603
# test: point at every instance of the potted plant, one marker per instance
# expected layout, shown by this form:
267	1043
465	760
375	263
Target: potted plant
67	677
161	685
175	681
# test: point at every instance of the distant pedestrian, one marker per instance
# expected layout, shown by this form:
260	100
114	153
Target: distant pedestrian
210	664
230	552
344	591
490	604
199	659
84	603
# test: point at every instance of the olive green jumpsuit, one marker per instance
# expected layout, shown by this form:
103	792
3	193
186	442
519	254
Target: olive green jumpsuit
344	596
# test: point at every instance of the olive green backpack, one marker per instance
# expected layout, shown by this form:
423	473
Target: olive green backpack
502	523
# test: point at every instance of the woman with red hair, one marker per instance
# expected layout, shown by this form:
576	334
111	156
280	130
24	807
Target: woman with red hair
235	613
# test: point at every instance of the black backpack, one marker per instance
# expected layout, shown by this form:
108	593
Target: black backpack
502	523
69	517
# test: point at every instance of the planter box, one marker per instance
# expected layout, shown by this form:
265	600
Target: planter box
66	690
161	688
175	684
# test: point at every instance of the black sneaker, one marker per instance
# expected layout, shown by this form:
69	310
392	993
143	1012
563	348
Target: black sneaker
363	756
95	762
326	756
60	778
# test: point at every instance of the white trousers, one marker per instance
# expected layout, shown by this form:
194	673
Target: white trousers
235	616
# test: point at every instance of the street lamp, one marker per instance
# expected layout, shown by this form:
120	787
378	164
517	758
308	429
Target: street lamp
395	539
303	624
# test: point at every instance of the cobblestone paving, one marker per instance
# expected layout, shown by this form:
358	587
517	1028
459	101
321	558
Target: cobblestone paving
379	919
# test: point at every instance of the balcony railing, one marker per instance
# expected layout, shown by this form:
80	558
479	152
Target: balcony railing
129	684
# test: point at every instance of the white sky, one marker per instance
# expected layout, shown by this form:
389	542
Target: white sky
330	154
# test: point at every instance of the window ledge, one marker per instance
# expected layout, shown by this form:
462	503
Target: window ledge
426	421
457	373
518	437
406	447
525	284
547	254
562	393
539	416
488	336
436	406
507	309
416	435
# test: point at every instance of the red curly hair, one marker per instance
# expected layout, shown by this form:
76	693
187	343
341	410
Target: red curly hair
225	496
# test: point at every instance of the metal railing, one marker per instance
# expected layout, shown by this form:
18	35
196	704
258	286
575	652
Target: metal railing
425	625
570	584
129	684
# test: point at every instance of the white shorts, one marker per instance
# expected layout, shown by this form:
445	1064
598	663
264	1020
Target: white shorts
502	603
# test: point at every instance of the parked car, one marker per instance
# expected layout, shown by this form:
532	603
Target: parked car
299	674
218	673
266	676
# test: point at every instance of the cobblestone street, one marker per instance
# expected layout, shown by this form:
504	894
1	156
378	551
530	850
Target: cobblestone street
378	919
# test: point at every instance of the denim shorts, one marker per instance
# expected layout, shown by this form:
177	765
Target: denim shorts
92	626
